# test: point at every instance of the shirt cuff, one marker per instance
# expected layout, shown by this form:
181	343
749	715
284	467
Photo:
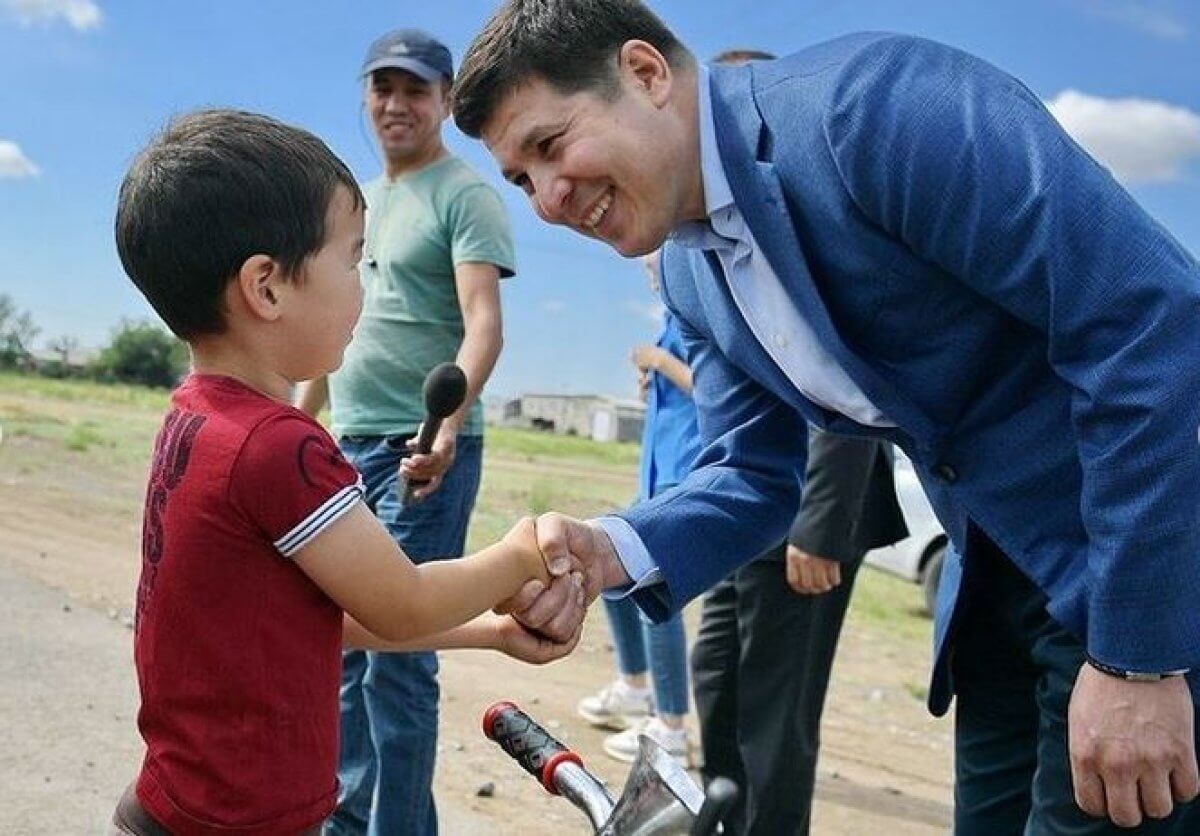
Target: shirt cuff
631	551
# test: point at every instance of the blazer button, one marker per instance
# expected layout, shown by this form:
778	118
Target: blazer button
945	472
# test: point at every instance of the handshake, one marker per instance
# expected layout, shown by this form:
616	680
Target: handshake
581	561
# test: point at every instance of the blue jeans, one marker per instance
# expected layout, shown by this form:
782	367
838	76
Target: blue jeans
389	701
636	638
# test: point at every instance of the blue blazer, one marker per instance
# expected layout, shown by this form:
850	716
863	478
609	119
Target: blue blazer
1033	332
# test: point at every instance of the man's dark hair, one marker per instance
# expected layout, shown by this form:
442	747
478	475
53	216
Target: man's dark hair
572	45
741	56
215	188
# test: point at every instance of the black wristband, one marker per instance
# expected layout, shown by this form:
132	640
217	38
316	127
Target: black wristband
1132	676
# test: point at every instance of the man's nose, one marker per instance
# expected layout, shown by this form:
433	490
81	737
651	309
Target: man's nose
551	198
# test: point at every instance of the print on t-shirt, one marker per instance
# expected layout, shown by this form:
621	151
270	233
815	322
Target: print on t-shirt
172	449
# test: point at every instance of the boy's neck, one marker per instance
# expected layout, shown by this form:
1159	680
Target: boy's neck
219	357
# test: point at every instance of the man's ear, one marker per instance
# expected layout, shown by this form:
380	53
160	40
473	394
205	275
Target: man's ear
259	286
647	69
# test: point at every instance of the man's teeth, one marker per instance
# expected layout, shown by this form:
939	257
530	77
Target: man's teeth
598	213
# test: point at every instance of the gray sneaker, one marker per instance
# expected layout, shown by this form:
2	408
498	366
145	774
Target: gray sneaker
617	706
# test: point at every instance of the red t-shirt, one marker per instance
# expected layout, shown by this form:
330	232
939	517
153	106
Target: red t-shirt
238	653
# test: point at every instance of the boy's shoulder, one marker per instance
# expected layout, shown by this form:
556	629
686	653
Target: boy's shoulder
236	420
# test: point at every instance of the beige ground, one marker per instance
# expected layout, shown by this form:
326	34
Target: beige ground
69	527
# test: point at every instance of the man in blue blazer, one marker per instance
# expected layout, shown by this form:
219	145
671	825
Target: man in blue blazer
888	237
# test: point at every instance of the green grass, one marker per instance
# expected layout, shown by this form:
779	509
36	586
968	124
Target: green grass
83	391
534	446
83	436
887	603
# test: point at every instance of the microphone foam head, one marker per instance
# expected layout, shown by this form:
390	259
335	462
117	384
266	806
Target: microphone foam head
444	390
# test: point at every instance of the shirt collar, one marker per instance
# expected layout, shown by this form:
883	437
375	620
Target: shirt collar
717	194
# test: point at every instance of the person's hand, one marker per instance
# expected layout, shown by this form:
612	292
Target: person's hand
428	469
1132	746
597	567
647	357
522	644
808	574
553	612
523	542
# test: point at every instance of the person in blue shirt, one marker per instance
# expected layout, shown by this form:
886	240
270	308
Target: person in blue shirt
670	443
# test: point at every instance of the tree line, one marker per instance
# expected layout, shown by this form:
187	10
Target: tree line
138	352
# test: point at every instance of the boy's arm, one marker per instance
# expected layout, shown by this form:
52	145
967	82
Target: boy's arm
312	395
486	632
357	564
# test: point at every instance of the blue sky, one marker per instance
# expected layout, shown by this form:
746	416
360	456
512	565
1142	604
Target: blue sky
87	82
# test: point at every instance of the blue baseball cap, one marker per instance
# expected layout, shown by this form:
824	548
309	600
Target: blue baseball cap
413	51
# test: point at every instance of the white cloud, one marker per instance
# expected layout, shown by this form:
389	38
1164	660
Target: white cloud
554	306
1141	140
79	14
652	310
13	163
1139	15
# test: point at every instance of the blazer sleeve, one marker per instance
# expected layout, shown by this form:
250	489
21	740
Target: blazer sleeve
742	492
966	167
835	487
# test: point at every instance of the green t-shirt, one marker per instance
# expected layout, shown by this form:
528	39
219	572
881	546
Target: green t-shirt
419	226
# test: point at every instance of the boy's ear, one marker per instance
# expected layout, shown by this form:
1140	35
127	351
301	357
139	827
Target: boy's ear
259	285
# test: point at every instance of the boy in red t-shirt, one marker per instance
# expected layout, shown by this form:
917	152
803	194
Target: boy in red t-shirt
259	558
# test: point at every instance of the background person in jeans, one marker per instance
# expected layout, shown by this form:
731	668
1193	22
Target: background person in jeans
437	243
670	442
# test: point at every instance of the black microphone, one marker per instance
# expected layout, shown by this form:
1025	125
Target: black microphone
444	390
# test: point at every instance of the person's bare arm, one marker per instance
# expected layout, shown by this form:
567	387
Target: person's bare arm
312	395
478	287
487	632
650	358
357	564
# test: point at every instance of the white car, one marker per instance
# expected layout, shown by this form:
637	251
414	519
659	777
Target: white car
918	557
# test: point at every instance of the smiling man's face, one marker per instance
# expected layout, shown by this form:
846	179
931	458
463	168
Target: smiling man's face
406	113
618	168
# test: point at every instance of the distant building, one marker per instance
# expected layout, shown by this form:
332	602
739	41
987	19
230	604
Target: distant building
598	417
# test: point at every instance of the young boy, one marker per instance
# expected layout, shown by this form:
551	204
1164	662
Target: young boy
259	557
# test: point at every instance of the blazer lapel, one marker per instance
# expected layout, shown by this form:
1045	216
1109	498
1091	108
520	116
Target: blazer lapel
759	196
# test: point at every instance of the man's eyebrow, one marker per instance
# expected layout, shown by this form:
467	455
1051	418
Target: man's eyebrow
532	137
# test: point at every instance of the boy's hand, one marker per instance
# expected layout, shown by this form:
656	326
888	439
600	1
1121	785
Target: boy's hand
522	538
522	644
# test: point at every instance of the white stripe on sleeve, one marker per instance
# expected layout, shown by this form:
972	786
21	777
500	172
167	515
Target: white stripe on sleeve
316	522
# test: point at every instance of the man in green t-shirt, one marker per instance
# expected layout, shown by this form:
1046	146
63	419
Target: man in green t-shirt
437	244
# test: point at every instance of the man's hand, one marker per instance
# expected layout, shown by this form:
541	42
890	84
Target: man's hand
587	547
429	468
522	644
1132	746
808	574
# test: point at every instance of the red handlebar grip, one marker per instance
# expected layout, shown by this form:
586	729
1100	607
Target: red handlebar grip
529	744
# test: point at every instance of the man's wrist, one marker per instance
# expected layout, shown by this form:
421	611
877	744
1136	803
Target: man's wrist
1132	676
613	572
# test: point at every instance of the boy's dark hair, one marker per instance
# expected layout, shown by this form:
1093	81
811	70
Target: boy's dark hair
741	56
570	44
215	188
